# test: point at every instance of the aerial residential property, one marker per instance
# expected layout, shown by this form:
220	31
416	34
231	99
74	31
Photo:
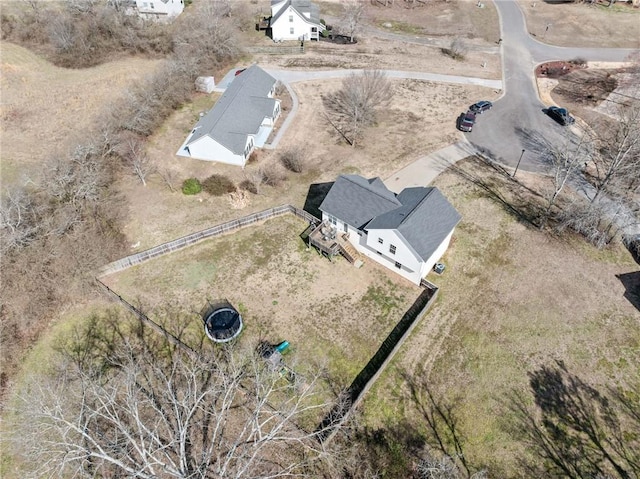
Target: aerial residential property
295	20
240	121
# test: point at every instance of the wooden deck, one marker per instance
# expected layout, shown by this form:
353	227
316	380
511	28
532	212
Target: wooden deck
331	242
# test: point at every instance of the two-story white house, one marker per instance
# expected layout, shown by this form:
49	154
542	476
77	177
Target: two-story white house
295	20
240	121
160	9
406	232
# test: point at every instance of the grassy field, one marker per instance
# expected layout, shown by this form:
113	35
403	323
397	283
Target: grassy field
334	315
579	24
513	299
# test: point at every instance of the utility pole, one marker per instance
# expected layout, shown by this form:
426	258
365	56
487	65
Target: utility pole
518	165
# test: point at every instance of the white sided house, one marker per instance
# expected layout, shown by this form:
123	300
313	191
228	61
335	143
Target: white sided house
160	9
406	232
295	20
240	121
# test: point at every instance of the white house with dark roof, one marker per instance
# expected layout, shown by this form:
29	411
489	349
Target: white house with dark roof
295	20
160	8
240	121
407	232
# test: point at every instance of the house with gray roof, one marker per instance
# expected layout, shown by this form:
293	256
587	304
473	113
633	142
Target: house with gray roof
159	9
407	232
295	20
240	121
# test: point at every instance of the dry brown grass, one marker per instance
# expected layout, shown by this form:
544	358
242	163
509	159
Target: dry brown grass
583	25
47	108
333	314
512	299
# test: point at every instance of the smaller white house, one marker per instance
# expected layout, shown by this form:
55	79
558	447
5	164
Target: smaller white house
295	20
407	232
160	9
240	121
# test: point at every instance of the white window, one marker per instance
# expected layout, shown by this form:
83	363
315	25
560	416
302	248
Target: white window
332	220
291	30
398	265
151	5
380	241
392	249
291	19
144	4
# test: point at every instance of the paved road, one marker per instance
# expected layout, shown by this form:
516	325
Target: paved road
517	122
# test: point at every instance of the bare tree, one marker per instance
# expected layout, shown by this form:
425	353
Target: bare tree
617	148
132	150
566	160
352	15
19	222
133	404
357	101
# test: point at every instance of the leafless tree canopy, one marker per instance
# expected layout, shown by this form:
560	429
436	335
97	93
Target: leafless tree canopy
124	402
353	12
354	106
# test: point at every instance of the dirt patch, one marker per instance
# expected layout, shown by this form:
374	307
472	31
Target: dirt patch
581	24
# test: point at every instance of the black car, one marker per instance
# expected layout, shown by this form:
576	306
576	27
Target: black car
466	121
481	106
561	115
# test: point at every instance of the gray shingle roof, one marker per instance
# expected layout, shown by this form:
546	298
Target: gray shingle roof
302	6
357	201
239	111
425	219
421	215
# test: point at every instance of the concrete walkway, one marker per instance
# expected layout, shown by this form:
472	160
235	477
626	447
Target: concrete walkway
425	169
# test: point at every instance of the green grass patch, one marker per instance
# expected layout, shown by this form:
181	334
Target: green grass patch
400	27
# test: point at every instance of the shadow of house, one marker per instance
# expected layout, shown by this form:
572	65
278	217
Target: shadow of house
631	283
315	196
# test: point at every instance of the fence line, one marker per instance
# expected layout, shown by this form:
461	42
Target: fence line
370	373
193	238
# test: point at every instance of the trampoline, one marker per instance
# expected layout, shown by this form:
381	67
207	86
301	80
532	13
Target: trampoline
223	324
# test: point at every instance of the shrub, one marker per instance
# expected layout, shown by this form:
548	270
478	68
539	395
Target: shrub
272	175
293	159
218	185
191	186
457	49
250	186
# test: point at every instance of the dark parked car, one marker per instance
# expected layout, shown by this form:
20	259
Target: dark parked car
561	115
481	106
466	121
239	71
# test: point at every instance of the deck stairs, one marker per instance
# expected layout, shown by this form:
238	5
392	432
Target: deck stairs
348	251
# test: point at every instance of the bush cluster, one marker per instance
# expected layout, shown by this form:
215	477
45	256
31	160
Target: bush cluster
218	185
191	186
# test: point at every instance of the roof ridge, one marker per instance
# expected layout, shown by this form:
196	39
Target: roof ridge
369	189
415	208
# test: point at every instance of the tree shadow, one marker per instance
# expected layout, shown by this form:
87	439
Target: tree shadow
574	430
500	187
631	283
315	196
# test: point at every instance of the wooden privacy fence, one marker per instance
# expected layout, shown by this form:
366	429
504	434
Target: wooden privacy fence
193	238
370	373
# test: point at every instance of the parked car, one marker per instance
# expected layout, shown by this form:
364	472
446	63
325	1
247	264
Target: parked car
239	71
561	115
466	121
481	106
